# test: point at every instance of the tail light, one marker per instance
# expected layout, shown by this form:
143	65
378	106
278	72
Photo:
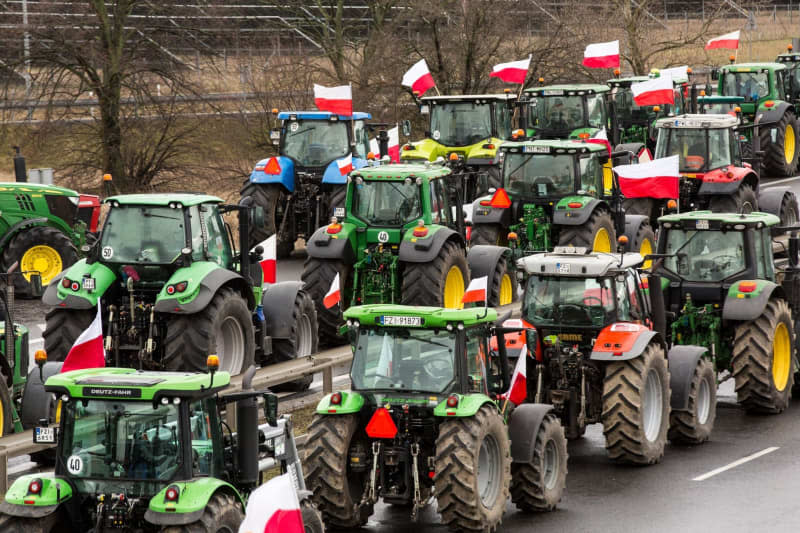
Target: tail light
574	205
452	401
35	486
747	286
501	199
172	494
336	398
420	230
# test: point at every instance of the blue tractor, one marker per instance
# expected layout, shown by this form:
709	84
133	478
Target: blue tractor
303	186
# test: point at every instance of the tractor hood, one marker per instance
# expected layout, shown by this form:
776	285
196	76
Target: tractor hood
481	153
281	169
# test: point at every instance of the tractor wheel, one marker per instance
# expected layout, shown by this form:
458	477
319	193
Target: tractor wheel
743	200
318	275
636	407
597	234
503	287
336	488
6	414
644	243
694	426
640	206
440	282
62	329
762	359
336	198
312	519
53	523
488	234
788	213
42	249
224	328
272	198
780	157
538	486
303	341
473	471
222	514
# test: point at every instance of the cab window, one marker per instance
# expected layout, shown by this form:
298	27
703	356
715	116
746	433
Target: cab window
623	301
361	139
476	362
439	211
591	176
637	311
503	119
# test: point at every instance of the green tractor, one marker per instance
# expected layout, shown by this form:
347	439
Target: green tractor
466	130
151	452
558	193
792	80
425	418
723	288
402	241
42	227
564	111
172	288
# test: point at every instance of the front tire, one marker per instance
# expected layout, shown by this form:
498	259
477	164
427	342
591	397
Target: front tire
695	425
39	248
62	329
438	283
597	234
318	275
302	342
503	285
538	486
742	201
223	514
272	198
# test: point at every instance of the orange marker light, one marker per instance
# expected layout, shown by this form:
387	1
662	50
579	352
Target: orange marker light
274	110
212	362
106	177
672	204
583	135
40	357
512	236
454	157
622	239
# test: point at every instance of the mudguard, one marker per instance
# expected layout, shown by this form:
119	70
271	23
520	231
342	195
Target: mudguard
425	150
468	405
486	214
523	427
285	177
57	295
36	402
682	361
770	116
204	280
623	341
191	504
770	199
9	234
744	306
632	225
54	492
566	216
278	304
424	250
333	176
726	186
322	245
352	402
482	259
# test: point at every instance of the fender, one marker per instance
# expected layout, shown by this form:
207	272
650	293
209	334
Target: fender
486	214
770	199
322	245
482	259
55	491
204	280
18	226
468	405
424	150
57	295
717	182
770	116
623	341
632	225
567	216
35	400
285	177
523	428
278	304
682	361
424	250
744	306
352	402
333	176
191	504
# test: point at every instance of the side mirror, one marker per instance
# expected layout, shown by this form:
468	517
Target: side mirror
36	285
407	128
714	74
275	136
531	340
424	110
257	217
271	409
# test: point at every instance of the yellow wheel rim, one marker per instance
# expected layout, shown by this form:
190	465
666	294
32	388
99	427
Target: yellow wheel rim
788	144
454	288
646	249
2	419
781	357
602	241
506	290
43	259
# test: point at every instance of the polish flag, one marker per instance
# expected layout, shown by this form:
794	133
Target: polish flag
419	78
676	73
334	296
394	144
514	72
654	92
269	260
337	100
273	508
518	390
601	137
375	147
88	351
729	40
476	292
345	165
601	55
659	178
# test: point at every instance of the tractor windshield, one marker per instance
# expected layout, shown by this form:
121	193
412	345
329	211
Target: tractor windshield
628	111
567	301
564	113
705	255
461	123
539	175
143	234
120	440
404	359
386	203
749	85
315	143
700	150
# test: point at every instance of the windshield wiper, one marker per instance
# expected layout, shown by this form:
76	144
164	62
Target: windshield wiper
427	341
301	131
153	215
521	164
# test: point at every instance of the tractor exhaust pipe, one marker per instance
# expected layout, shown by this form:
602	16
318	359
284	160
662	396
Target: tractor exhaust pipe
657	304
246	204
247	433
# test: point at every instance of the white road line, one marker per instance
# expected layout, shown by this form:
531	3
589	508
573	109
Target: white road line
777	182
736	463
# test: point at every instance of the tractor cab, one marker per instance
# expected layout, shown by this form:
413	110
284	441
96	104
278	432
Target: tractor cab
756	83
564	111
705	143
792	80
720	105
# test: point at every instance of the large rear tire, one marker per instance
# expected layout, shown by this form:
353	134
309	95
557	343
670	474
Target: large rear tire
223	514
272	198
318	275
762	359
223	328
473	471
38	248
438	283
503	285
780	157
52	523
302	342
336	488
597	234
636	407
487	234
538	486
62	329
6	413
643	243
743	200
695	425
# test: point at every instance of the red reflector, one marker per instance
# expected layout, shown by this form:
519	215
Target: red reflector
431	474
420	231
381	425
273	167
469	233
65	283
331	410
747	286
171	290
501	199
171	495
617	354
486	203
336	398
260	168
574	205
451	413
75	287
452	401
408	147
29	502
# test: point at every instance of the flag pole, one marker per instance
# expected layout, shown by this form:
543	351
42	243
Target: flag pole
521	88
354	143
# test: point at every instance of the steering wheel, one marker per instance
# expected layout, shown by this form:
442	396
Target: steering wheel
587	299
580	307
722	261
438	367
695	162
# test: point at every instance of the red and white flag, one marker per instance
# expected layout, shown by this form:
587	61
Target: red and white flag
601	137
518	390
375	147
334	296
269	259
345	165
394	144
676	73
654	92
476	292
729	40
419	78
513	72
273	508
88	350
659	178
601	55
337	100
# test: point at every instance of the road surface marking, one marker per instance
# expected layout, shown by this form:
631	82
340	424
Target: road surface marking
777	182
736	463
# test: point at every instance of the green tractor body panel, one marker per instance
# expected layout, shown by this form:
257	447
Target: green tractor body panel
193	275
352	402
564	111
432	317
22	201
754	100
194	496
163	200
50	495
468	405
84	298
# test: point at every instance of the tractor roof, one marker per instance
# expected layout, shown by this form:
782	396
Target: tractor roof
752	67
720	99
164	199
401	171
129	383
627	82
689	220
433	317
698	121
553	146
568	89
17	187
469	97
789	57
574	262
320	115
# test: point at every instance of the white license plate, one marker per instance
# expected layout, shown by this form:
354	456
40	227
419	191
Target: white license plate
562	268
338	212
702	224
401	320
44	435
536	149
88	284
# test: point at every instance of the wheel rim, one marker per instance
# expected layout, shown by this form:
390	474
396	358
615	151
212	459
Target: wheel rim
646	249
43	259
230	345
2	418
506	290
602	241
304	341
788	144
489	471
551	464
653	404
454	288
781	357
703	401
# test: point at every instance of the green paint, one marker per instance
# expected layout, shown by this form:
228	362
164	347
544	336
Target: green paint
52	488
702	326
194	495
468	405
194	275
102	275
352	402
165	199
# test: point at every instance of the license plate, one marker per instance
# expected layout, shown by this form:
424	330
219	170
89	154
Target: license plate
562	268
44	435
88	284
553	92
401	320
702	224
536	149
338	212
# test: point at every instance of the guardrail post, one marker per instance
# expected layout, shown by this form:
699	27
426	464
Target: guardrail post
327	379
3	471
